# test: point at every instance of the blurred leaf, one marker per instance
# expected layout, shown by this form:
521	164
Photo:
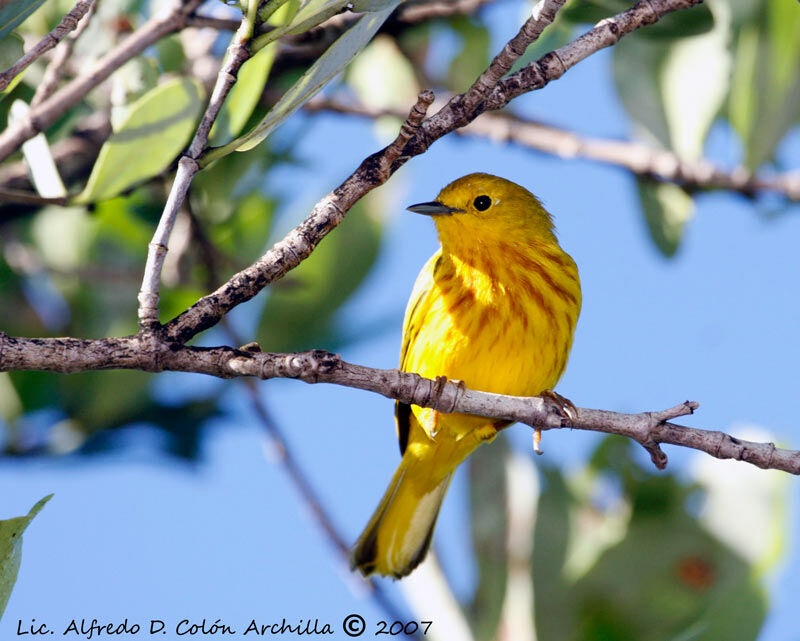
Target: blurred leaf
300	316
13	12
678	24
489	507
694	83
182	424
217	189
637	70
667	578
11	49
243	97
765	88
314	12
11	531
742	495
171	54
667	208
660	583
382	77
245	234
674	90
177	299
371	5
63	236
157	128
473	57
10	402
327	65
98	403
36	151
129	83
554	614
119	228
35	390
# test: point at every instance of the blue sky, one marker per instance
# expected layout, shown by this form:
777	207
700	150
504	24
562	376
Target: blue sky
137	535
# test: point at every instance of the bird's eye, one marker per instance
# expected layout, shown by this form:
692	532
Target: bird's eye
482	203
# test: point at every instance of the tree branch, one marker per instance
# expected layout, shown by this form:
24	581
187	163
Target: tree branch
48	111
29	198
52	73
68	23
649	429
238	53
639	159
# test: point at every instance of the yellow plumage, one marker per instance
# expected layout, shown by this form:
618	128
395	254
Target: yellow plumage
496	308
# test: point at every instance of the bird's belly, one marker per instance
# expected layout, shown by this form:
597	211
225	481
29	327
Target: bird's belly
493	352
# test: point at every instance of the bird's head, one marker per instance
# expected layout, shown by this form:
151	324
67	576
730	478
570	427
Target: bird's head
484	208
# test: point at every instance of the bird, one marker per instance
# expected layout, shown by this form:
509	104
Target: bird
495	309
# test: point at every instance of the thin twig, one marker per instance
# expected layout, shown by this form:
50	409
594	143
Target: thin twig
238	52
638	158
373	171
29	198
67	24
52	73
47	112
302	240
650	429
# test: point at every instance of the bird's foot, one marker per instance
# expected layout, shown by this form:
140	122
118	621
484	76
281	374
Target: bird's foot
443	405
561	407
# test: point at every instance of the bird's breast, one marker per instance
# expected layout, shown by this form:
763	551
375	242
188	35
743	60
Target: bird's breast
500	326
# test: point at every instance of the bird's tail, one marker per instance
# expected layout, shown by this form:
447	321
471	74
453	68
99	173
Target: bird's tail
399	533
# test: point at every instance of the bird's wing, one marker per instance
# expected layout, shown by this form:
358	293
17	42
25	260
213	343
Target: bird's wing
418	306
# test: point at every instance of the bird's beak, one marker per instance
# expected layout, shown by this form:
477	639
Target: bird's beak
434	208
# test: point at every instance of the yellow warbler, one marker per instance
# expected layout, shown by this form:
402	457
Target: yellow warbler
496	308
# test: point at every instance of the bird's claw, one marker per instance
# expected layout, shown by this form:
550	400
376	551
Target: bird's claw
560	406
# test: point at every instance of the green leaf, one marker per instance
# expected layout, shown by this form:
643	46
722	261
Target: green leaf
760	497
13	12
63	235
244	96
488	491
299	311
245	234
554	615
675	90
154	132
473	57
11	550
382	77
765	87
171	54
637	69
694	83
313	13
326	67
667	208
664	576
11	50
